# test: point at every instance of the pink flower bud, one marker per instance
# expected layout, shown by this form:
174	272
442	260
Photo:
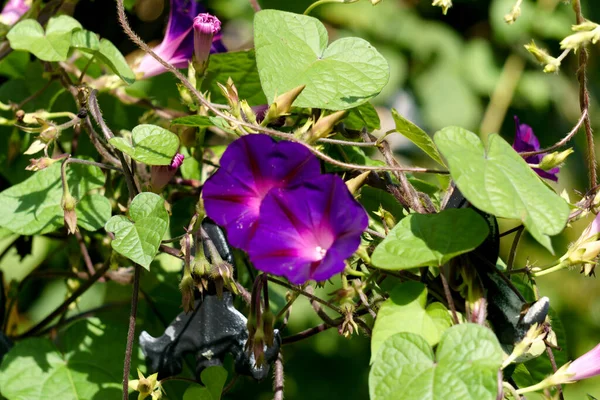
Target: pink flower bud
205	27
160	175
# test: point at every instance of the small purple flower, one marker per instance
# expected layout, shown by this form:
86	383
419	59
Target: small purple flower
177	46
205	27
250	167
307	232
161	175
586	366
13	10
525	140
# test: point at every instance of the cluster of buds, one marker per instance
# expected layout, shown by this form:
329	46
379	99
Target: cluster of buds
149	386
584	33
550	63
48	133
554	160
346	298
261	320
311	132
532	345
585	250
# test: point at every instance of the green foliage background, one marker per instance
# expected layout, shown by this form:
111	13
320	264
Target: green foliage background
443	70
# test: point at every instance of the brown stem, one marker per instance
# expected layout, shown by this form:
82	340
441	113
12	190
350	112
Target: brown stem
584	100
278	378
555	368
305	293
513	248
448	295
561	142
86	255
305	334
131	331
255	5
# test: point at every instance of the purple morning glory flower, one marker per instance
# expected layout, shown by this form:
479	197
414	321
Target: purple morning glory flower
13	10
177	46
586	366
250	167
525	140
308	231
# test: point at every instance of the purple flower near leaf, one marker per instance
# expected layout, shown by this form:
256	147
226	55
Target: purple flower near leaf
13	10
177	46
307	232
250	167
525	140
161	175
586	366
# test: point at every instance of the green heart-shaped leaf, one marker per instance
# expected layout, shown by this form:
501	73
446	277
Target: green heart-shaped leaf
138	237
430	239
291	50
405	311
465	367
34	205
152	145
51	45
498	181
214	379
104	51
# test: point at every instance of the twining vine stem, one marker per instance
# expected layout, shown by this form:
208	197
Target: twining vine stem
584	101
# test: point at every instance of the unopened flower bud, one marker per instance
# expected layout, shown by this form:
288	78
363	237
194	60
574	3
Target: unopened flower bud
282	104
445	4
531	346
553	160
349	326
231	94
160	175
268	321
249	114
68	204
356	183
550	63
36	164
585	32
386	217
205	27
323	127
186	286
514	13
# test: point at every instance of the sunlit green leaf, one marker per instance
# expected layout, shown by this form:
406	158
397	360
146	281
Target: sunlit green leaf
34	206
51	45
430	239
498	181
151	145
138	237
406	311
465	366
291	50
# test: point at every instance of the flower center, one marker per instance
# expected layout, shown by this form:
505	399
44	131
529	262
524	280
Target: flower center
320	253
